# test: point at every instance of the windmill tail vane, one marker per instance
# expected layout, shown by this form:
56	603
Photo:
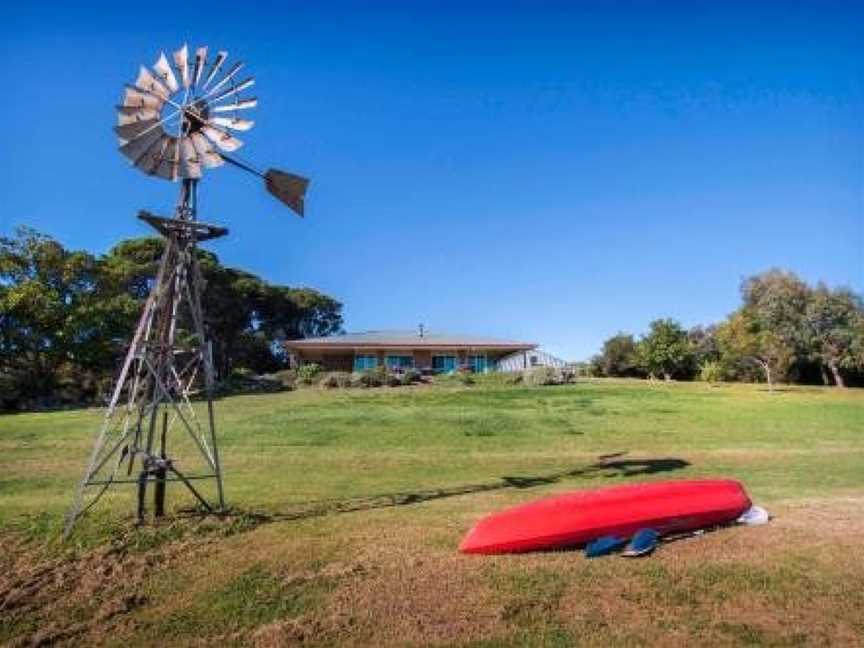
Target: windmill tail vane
286	187
173	123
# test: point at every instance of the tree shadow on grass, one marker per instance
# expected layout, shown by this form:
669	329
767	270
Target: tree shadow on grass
612	465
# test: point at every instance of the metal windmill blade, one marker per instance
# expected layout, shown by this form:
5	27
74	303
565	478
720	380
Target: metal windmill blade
200	61
240	104
167	123
181	62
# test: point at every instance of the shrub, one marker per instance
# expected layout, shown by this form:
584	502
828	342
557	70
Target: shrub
410	377
541	376
288	378
393	380
10	394
335	379
569	376
308	374
711	371
242	382
368	378
513	378
74	386
466	378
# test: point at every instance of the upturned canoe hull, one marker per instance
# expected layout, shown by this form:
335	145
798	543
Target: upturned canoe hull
576	518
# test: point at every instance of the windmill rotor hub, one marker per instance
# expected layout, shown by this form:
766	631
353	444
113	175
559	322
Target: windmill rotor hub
199	110
195	117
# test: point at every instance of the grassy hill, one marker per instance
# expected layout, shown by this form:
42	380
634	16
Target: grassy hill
349	505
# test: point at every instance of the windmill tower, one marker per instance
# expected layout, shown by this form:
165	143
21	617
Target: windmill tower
174	122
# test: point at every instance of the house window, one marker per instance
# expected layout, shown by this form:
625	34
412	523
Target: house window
477	363
534	360
399	362
443	363
364	362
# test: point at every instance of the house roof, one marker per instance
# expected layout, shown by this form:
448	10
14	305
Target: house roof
406	339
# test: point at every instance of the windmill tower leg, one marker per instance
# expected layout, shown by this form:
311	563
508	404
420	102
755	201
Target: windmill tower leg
196	288
152	401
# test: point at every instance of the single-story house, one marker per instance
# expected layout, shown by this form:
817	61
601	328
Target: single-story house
401	350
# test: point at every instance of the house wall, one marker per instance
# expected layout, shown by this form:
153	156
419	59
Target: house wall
329	361
492	359
528	359
344	360
422	358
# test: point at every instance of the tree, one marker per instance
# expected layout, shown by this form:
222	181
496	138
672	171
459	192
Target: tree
784	330
130	267
246	318
67	316
835	321
293	313
47	313
665	349
770	328
743	338
777	301
703	343
618	357
705	353
229	310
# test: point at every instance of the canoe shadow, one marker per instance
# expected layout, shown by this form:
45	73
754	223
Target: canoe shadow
606	465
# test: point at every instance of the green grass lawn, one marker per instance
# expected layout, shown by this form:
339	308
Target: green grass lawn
371	491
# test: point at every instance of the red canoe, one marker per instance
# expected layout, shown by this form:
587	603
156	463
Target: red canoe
581	516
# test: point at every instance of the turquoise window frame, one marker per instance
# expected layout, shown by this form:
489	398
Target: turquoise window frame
479	363
448	364
364	362
394	361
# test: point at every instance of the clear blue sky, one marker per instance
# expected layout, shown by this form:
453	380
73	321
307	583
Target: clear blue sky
550	172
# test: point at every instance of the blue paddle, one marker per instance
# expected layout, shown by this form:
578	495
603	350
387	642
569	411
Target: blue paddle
641	544
602	546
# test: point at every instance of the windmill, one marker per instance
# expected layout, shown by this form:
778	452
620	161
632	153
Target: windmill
175	122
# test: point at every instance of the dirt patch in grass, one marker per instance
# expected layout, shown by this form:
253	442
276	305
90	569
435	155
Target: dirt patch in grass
395	578
50	601
795	581
410	596
50	594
